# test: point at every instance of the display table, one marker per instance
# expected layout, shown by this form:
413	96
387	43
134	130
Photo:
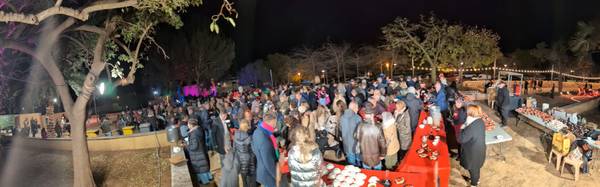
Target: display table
412	163
535	122
497	136
410	179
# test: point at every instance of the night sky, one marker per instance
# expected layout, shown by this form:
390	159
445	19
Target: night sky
281	25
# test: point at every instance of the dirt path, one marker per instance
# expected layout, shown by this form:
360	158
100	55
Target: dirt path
526	164
54	168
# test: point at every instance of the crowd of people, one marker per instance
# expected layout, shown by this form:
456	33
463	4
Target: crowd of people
369	124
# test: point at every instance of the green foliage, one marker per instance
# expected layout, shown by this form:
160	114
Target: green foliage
440	44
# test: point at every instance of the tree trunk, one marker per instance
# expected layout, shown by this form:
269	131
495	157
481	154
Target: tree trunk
82	169
433	73
344	70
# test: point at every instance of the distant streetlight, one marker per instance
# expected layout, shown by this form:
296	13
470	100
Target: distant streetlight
101	88
55	100
299	74
155	93
505	65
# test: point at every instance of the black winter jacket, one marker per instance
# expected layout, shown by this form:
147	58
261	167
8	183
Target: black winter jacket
243	153
197	151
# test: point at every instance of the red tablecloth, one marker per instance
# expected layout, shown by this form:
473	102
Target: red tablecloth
415	164
414	179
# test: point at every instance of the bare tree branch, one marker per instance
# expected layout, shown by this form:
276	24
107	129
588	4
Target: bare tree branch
83	14
90	28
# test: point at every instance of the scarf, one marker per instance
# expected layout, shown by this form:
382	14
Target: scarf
269	130
468	121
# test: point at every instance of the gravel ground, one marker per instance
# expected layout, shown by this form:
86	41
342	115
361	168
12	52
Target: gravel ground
54	168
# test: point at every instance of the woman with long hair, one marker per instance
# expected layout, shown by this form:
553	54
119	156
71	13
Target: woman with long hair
472	140
304	160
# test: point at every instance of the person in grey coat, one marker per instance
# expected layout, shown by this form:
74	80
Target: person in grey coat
472	140
349	121
414	105
404	129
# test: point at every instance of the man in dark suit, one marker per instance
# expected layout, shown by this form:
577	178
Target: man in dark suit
264	146
222	139
503	102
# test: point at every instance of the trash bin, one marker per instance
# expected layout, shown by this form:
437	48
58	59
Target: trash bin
92	133
128	130
144	127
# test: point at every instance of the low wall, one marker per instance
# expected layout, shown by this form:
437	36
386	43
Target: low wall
115	143
582	107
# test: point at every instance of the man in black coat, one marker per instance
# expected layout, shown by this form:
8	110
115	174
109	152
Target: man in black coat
198	158
414	106
221	134
503	102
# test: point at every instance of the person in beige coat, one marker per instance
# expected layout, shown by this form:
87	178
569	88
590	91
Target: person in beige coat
391	139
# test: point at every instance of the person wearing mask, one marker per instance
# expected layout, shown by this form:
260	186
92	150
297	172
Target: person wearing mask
404	130
197	153
371	142
264	146
390	133
503	102
472	140
414	106
244	159
349	121
304	160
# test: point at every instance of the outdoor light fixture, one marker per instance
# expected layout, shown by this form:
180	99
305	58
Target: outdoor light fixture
55	100
323	71
299	73
505	65
101	88
155	93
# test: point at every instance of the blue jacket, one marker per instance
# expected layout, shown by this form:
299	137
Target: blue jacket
265	158
348	123
440	100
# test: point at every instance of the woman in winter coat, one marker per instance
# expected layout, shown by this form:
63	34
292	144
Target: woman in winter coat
391	139
198	157
305	160
472	140
403	126
244	159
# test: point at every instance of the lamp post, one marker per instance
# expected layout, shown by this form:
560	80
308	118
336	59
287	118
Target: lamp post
393	69
324	75
387	66
300	76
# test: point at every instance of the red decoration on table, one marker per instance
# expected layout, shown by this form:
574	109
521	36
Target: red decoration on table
414	164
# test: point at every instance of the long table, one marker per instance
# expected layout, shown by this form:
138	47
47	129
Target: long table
535	122
412	163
